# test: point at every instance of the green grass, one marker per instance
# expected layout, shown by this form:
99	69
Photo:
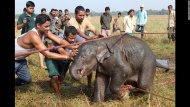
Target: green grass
39	94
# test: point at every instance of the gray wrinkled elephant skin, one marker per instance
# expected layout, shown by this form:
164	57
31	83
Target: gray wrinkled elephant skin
116	61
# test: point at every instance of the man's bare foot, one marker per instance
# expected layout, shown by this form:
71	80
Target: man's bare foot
61	84
122	32
90	86
43	67
50	85
58	94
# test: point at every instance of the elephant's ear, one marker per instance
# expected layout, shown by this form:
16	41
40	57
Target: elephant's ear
102	53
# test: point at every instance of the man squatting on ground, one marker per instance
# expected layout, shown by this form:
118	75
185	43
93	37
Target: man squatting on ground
33	40
57	68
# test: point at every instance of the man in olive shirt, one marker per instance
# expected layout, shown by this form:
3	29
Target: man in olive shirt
105	20
26	20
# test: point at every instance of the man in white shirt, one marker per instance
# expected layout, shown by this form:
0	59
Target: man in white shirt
171	23
129	22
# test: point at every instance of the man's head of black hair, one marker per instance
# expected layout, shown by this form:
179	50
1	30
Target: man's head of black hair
30	4
42	18
79	8
107	8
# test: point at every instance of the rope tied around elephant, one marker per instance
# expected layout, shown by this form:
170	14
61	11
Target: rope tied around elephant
123	50
126	87
35	51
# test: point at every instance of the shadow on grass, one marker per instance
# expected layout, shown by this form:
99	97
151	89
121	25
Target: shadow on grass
22	88
73	91
68	92
32	64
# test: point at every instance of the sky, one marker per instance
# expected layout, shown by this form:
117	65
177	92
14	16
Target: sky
94	5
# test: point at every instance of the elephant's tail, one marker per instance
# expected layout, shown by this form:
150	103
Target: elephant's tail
163	64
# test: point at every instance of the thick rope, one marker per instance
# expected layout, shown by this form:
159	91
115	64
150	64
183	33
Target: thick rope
35	51
131	87
164	83
156	33
123	50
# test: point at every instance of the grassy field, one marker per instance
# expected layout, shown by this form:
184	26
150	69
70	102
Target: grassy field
39	94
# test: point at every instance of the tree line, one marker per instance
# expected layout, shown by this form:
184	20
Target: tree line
114	13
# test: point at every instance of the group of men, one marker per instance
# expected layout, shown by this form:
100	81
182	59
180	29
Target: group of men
129	22
57	61
43	31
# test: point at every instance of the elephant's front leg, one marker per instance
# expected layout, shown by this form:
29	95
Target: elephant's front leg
101	84
116	84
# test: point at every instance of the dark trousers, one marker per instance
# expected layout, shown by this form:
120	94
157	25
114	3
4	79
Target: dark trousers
23	73
87	33
171	36
142	29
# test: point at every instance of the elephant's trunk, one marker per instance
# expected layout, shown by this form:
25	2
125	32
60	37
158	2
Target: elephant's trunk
75	73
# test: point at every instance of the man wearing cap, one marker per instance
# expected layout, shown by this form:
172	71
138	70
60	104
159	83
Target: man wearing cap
142	19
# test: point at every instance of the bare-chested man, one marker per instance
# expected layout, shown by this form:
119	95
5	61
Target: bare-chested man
33	40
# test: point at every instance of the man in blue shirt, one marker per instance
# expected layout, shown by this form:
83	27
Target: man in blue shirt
142	19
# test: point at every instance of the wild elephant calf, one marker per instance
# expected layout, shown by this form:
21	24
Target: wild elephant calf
116	61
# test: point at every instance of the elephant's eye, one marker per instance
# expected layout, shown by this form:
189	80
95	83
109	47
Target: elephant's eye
83	57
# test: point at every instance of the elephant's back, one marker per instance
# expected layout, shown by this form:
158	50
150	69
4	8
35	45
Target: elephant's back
137	51
135	44
125	38
126	41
